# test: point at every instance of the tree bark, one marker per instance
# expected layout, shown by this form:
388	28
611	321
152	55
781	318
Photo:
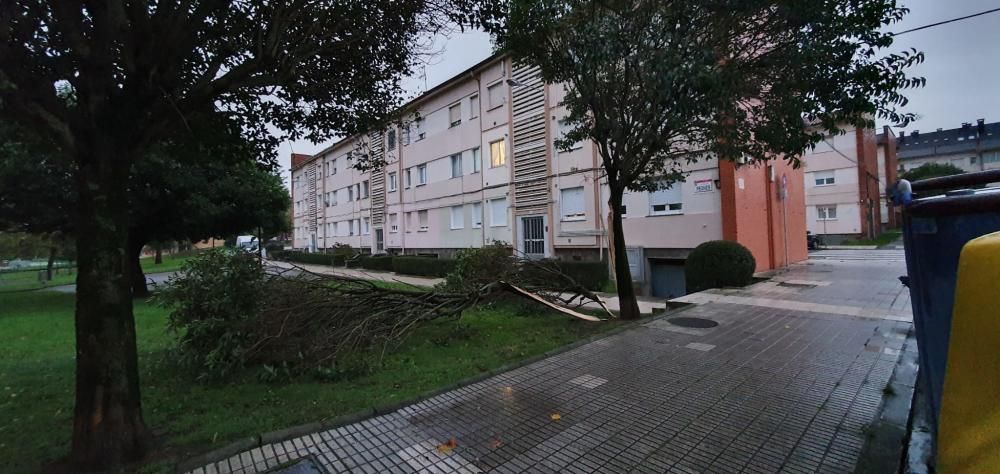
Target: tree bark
138	278
52	260
158	253
627	304
108	427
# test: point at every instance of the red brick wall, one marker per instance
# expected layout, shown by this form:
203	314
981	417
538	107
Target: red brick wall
868	186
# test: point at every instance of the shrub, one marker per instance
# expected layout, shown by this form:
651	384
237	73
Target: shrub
719	263
214	301
591	275
309	258
382	262
423	266
476	267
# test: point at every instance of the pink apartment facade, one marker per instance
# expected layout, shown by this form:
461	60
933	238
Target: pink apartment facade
480	166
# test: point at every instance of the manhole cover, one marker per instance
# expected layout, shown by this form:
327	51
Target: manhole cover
699	323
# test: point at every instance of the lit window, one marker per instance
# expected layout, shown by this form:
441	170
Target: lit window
826	213
422	219
824	178
666	201
474	106
477	215
421	175
457	217
456	165
498	154
495	93
498	212
571	204
392	181
455	114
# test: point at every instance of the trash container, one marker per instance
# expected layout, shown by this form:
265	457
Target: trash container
935	228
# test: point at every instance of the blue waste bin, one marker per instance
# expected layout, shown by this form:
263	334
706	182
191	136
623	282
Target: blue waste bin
935	229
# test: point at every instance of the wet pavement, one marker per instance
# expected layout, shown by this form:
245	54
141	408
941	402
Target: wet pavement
790	379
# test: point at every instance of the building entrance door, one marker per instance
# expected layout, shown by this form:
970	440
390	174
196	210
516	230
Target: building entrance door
379	241
533	236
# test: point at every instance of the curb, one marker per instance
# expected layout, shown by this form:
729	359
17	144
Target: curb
885	450
270	437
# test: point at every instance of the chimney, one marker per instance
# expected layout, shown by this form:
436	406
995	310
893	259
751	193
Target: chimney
981	127
916	133
940	130
966	125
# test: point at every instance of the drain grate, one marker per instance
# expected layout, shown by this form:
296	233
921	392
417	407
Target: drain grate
306	465
699	323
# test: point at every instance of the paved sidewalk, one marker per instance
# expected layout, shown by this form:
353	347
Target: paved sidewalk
769	389
360	273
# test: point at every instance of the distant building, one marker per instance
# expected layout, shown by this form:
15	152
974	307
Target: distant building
475	162
971	147
843	186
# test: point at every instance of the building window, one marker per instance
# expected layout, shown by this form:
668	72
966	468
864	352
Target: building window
565	128
571	204
826	213
457	217
498	212
991	157
624	210
495	95
392	181
326	200
350	193
333	167
350	227
333	198
408	177
422	220
455	115
391	139
477	215
364	189
421	175
357	192
418	125
393	222
665	201
474	106
498	154
972	160
456	165
476	163
824	178
366	226
409	222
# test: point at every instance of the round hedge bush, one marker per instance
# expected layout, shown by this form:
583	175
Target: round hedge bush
719	263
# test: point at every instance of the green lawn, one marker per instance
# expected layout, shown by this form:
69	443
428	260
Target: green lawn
885	238
36	377
28	279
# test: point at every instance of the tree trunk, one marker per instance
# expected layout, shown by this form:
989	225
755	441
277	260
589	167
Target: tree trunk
627	304
52	260
138	278
108	427
158	252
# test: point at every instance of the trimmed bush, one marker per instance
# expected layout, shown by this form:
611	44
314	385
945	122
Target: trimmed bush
719	263
309	258
381	262
423	266
592	275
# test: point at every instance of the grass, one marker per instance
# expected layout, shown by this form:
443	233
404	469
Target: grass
28	279
885	238
36	377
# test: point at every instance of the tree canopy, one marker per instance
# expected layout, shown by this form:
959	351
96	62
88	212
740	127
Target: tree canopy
930	170
655	84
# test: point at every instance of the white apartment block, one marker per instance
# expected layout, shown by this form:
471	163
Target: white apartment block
479	166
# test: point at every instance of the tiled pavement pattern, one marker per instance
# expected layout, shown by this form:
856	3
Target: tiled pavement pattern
768	390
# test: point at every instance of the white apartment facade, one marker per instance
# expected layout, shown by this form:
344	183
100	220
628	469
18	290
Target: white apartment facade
480	166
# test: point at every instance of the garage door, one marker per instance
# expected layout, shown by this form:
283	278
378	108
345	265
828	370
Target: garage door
668	278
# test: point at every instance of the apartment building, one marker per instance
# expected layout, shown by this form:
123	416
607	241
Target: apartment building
843	191
971	147
475	163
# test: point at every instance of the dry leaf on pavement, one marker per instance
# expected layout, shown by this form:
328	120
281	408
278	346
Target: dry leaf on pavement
446	447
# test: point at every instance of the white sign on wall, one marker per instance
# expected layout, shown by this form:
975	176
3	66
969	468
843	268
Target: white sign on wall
703	186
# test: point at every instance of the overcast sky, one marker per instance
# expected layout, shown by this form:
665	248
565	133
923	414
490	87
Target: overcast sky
962	66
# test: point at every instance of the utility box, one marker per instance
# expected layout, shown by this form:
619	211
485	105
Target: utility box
935	229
